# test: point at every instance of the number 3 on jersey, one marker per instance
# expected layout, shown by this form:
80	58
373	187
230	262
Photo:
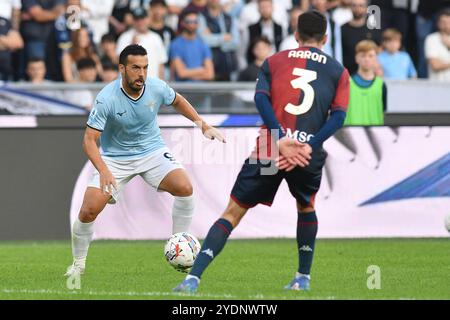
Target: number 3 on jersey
302	83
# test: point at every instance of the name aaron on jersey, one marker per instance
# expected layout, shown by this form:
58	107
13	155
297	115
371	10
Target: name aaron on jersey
314	56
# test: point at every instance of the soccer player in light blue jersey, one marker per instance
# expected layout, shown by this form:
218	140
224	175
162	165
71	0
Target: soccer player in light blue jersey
124	119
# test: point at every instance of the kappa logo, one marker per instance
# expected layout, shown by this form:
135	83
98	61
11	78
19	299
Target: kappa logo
121	113
305	248
98	102
209	252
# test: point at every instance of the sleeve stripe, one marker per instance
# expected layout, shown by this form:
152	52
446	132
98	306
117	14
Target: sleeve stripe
263	91
94	128
175	98
338	108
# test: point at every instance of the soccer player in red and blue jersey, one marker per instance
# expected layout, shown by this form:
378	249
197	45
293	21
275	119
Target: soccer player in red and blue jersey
302	96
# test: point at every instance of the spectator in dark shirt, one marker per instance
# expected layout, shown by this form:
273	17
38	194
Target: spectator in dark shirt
267	27
37	19
10	40
158	12
220	32
260	50
395	14
355	31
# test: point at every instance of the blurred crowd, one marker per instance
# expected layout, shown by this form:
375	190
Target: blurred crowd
214	40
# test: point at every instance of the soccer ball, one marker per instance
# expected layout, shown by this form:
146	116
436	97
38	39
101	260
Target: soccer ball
447	222
181	250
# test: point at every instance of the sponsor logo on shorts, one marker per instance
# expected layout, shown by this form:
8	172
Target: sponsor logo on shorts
169	156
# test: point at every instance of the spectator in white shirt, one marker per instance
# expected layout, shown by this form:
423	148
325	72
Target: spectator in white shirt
10	10
343	13
99	12
437	49
151	41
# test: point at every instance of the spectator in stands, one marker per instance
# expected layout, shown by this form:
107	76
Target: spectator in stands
37	19
82	47
260	49
121	18
220	32
99	12
333	46
110	72
233	7
10	40
426	24
190	57
343	13
141	34
267	27
157	14
87	70
250	15
36	70
368	93
355	31
108	47
175	7
395	14
396	64
73	18
437	49
194	6
290	42
10	10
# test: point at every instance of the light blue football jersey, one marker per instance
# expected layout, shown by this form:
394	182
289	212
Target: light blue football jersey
129	126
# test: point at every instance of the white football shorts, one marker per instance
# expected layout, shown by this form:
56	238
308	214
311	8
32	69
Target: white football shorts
152	168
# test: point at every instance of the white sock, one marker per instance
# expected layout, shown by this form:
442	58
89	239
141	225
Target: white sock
298	275
81	238
182	212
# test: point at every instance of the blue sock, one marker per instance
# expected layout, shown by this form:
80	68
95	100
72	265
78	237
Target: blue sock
213	244
306	237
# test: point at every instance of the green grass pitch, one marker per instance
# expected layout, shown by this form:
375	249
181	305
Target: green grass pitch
246	269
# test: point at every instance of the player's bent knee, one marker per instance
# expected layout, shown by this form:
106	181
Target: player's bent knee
184	190
87	214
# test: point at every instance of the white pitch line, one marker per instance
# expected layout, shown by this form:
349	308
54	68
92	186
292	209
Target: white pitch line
156	294
129	293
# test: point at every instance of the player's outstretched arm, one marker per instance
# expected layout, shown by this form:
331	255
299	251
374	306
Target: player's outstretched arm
107	180
186	109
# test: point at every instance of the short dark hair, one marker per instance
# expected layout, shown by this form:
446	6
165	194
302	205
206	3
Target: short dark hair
85	63
443	13
133	50
158	2
35	59
253	44
311	25
109	65
108	37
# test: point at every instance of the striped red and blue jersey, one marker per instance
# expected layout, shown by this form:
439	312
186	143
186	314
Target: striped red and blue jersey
304	85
